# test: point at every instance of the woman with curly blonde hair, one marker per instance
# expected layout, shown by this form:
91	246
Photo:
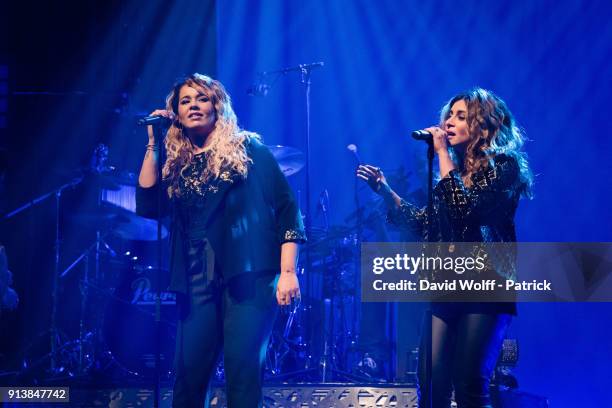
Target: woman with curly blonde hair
483	172
235	228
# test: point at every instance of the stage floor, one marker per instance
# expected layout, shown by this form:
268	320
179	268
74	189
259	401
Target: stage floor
293	395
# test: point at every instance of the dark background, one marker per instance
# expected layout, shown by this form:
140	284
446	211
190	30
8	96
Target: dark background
76	74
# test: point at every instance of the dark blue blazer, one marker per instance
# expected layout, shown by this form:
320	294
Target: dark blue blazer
246	221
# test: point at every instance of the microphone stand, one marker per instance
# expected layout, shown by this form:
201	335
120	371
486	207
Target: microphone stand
305	71
427	324
428	312
158	129
305	80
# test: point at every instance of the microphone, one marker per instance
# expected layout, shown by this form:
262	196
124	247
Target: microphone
353	149
422	135
155	120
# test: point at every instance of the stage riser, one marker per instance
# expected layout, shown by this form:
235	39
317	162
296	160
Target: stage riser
274	397
290	397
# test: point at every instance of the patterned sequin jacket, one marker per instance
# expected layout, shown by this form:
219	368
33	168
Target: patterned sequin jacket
246	219
482	213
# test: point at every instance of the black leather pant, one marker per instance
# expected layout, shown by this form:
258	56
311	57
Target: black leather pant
464	348
236	317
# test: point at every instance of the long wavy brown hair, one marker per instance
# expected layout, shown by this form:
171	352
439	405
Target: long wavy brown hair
493	131
227	146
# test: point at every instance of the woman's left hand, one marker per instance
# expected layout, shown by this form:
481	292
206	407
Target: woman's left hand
287	289
440	140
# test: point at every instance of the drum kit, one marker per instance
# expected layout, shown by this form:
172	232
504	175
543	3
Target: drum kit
117	318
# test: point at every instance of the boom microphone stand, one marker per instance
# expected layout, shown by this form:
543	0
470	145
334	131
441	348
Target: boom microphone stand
261	88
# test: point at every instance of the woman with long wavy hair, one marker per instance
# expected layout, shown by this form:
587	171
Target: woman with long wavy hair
483	173
235	230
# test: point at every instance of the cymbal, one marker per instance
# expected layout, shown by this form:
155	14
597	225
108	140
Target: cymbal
135	227
121	222
99	218
111	179
290	159
121	177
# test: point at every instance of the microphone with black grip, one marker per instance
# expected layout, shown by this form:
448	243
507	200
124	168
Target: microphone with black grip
155	120
422	135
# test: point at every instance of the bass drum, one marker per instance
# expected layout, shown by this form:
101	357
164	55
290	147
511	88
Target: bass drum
129	323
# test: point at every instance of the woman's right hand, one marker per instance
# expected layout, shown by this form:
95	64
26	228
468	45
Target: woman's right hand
158	112
373	176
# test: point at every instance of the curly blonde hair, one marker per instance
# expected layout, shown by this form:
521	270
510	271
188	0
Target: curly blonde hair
227	146
493	131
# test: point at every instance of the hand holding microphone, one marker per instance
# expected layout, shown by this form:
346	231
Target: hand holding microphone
433	134
158	116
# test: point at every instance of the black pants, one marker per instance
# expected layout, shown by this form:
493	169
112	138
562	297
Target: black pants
236	317
464	348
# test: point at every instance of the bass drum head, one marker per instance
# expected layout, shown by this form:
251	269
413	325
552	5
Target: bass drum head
129	323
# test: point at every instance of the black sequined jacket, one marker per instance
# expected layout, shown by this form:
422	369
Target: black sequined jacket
483	212
246	219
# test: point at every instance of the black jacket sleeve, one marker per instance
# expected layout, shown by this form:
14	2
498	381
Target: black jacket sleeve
147	200
289	224
491	188
409	216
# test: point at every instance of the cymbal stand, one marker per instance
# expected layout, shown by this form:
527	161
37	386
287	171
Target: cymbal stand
57	193
85	285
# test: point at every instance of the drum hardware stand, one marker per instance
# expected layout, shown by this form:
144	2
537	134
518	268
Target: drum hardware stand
357	261
327	368
85	285
324	207
352	334
286	346
98	166
53	331
328	364
327	358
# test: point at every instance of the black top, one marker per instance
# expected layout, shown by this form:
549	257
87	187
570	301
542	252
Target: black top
483	212
193	207
245	219
192	202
